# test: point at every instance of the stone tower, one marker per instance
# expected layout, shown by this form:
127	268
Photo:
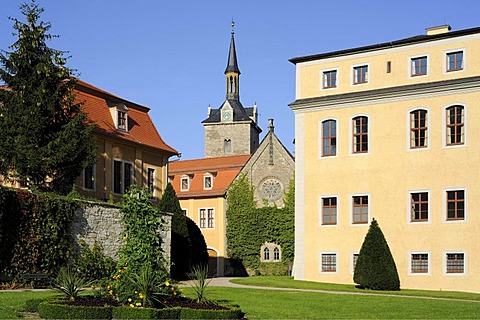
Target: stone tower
231	129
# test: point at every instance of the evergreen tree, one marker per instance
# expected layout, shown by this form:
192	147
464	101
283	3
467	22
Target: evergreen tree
375	268
46	141
188	246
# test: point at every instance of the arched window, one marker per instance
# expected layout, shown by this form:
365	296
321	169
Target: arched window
227	146
276	254
231	84
266	254
329	138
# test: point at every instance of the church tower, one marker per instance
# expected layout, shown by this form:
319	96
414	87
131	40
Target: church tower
231	129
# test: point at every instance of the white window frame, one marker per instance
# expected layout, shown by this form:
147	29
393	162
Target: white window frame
445	60
352	74
410	69
320	262
352	268
183	177
408	126
205	176
409	207
122	175
465	263
465	126
320	210
320	139
359	154
185	211
419	274
322	79
154	182
207	210
444	205
369	213
117	113
94	179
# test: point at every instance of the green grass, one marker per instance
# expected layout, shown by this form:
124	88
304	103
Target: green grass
13	302
288	282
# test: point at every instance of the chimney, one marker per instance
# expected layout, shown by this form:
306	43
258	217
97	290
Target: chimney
438	30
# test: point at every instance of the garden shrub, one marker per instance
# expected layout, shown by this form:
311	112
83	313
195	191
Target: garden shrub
234	313
125	312
375	268
57	310
92	264
31	305
272	269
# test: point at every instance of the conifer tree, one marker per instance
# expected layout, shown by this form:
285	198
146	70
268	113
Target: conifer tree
45	139
375	268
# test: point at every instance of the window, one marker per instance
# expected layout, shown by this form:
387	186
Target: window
418	129
266	254
329	138
418	66
207	218
207	182
455	125
227	146
329	262
455	61
419	206
389	66
185	183
185	212
151	181
360	74
354	261
329	211
330	79
456	205
89	177
419	263
276	254
455	263
360	209
122	176
122	120
360	134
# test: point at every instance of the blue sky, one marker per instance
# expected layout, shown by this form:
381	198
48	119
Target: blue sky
171	55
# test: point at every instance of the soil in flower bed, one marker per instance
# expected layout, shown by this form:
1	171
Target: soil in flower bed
93	301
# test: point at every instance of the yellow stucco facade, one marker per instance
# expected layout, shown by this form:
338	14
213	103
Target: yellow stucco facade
391	134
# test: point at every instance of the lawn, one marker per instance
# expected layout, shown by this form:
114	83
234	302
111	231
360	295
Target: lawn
12	302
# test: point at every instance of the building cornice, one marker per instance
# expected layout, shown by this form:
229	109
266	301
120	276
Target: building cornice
387	95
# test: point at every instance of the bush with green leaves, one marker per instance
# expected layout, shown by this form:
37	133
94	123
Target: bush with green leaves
70	283
92	263
375	268
200	281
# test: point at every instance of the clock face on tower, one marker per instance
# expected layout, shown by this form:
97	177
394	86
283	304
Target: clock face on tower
226	115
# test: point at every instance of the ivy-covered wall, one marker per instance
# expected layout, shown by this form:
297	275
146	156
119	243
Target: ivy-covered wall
249	227
34	232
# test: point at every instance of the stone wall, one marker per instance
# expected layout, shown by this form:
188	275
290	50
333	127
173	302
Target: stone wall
101	223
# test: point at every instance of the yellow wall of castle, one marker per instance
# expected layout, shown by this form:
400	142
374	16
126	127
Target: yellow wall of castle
310	74
387	173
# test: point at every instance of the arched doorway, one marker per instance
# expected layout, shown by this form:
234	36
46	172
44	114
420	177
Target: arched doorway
212	262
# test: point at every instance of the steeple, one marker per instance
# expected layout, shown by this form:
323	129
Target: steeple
232	73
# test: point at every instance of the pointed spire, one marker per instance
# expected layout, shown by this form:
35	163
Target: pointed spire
232	65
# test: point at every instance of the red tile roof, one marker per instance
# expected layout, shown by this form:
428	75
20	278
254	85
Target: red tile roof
141	128
224	170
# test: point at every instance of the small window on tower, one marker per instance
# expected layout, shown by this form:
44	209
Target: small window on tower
227	146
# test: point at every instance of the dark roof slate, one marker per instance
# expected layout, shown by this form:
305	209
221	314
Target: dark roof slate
239	112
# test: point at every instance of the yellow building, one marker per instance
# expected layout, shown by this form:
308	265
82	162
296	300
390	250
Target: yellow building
390	131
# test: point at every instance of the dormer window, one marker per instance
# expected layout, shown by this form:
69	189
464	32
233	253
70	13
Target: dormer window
119	113
185	183
207	181
122	120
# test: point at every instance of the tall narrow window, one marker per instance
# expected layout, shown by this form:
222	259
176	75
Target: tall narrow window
276	254
389	66
455	263
419	263
122	120
354	261
266	254
227	146
455	61
360	209
329	262
210	218
360	74
456	205
418	129
329	138
151	181
330	79
207	182
360	134
89	177
419	205
122	176
419	66
329	211
203	218
185	183
455	125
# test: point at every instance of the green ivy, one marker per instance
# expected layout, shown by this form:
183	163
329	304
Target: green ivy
34	232
249	227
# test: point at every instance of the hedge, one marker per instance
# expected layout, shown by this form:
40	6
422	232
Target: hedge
56	310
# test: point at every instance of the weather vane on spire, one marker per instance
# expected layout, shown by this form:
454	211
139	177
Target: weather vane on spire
233	25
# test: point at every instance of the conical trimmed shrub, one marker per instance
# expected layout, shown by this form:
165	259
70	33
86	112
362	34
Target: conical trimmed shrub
375	268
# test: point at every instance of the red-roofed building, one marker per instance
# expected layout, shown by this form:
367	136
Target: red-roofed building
130	149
